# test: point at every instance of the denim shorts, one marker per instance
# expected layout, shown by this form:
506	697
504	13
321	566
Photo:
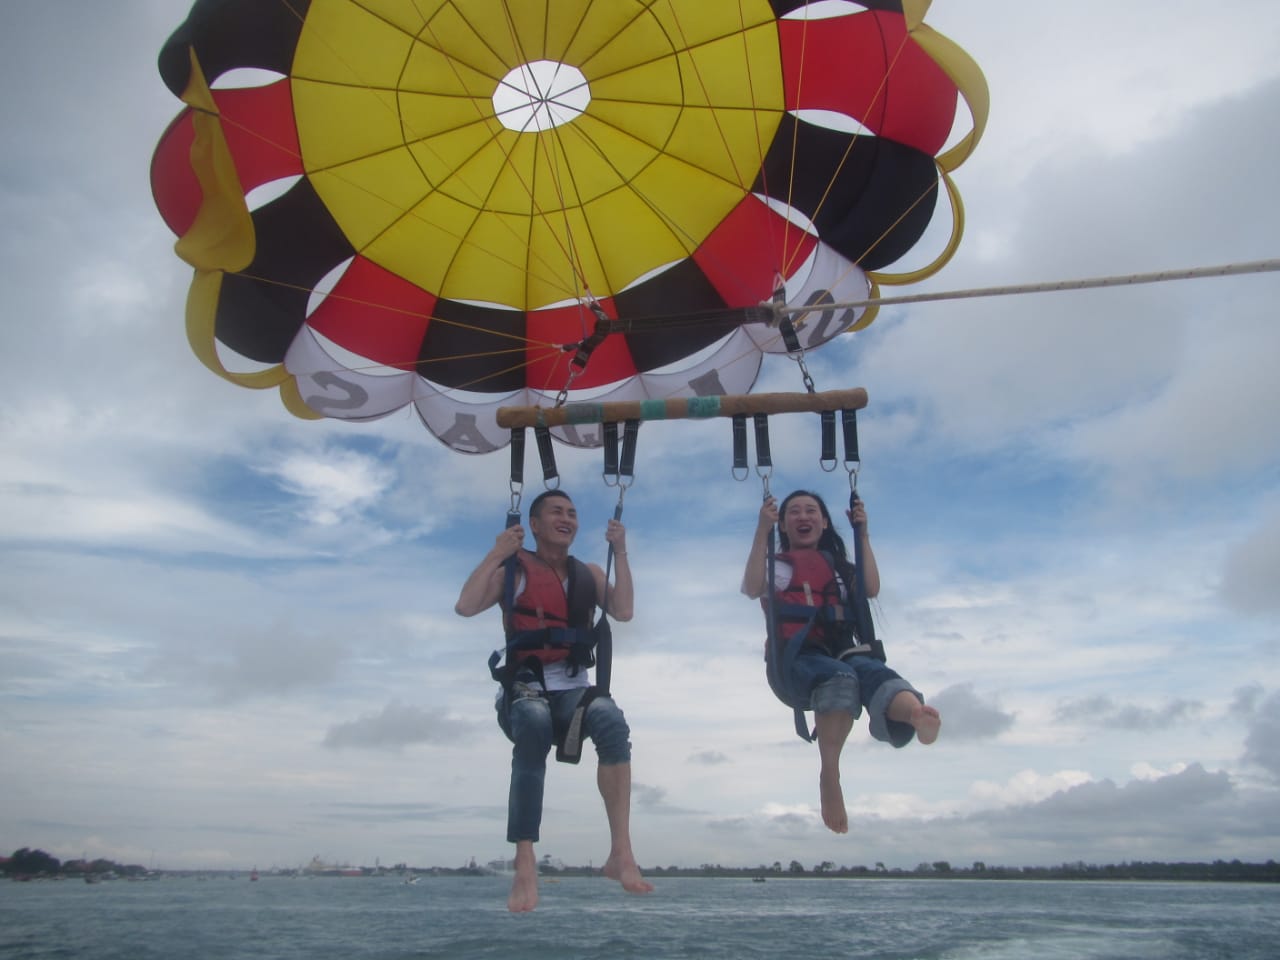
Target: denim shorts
544	717
824	684
532	724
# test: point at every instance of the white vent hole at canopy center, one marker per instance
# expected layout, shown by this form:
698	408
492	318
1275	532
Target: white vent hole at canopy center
540	95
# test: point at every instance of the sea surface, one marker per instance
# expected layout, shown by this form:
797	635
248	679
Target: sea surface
380	918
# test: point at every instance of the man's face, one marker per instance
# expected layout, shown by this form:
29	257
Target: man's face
556	522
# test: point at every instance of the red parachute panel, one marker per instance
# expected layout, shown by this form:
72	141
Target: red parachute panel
870	69
376	314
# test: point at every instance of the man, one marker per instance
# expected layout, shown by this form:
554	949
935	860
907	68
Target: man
544	686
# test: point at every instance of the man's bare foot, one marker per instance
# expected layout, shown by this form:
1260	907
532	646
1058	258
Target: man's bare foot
927	722
524	888
623	868
834	814
524	893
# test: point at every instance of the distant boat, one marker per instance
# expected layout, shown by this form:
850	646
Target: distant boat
253	874
757	879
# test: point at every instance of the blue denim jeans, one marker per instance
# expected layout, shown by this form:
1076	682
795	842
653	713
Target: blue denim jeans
824	684
533	724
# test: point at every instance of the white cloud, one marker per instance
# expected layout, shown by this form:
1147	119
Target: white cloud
1251	572
398	725
1262	743
334	483
968	716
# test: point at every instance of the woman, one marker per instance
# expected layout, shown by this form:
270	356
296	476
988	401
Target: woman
813	571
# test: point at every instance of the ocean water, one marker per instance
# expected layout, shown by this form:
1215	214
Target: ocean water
460	918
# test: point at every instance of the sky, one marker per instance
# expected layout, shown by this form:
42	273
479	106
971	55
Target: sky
227	636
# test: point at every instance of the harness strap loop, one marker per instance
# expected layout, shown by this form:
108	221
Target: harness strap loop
517	474
547	454
740	446
849	420
609	441
627	466
828	455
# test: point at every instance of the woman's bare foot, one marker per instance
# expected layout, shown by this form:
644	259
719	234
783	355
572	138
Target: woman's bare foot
834	814
623	868
927	722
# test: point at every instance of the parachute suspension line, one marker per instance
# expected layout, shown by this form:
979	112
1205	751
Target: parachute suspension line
880	93
422	142
569	246
877	96
761	146
926	192
702	87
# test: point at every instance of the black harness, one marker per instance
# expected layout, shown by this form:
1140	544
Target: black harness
839	624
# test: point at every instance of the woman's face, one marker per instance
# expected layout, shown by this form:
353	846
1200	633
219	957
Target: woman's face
802	521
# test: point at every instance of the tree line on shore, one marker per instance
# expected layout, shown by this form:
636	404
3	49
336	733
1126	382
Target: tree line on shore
28	863
1233	870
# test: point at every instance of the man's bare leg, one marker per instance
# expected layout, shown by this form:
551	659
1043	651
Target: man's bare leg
524	888
833	729
907	708
614	781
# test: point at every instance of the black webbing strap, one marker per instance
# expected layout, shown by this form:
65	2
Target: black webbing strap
781	657
569	747
548	456
864	625
513	519
764	458
789	336
517	458
828	441
849	419
622	472
609	432
740	446
627	466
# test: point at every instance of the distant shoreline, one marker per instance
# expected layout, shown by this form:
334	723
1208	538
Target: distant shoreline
1233	871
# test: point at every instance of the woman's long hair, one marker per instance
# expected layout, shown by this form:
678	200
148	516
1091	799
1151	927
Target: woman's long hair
830	541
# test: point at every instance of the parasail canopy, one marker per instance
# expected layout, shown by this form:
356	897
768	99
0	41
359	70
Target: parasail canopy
480	203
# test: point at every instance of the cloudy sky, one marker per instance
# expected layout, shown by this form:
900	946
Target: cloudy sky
227	636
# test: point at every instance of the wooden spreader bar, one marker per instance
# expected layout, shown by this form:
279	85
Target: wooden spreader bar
682	408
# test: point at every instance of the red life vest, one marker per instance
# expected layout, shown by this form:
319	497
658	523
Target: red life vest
543	603
813	584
